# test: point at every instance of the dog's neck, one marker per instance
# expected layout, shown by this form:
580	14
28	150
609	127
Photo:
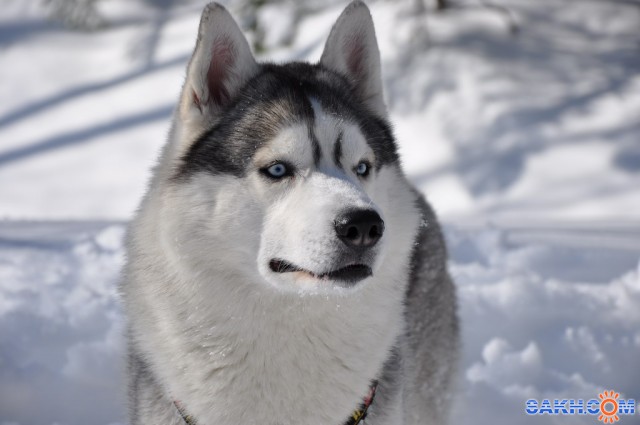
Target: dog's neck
294	358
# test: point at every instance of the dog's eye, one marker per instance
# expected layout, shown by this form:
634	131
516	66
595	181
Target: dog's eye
277	170
362	169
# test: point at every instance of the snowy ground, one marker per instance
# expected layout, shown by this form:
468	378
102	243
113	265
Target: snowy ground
528	145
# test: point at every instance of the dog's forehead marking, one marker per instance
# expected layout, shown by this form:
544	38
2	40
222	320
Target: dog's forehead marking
315	144
337	150
319	121
340	139
330	130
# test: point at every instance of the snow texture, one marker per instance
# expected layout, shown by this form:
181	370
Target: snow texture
521	127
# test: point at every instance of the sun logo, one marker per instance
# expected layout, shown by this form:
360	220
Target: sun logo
608	399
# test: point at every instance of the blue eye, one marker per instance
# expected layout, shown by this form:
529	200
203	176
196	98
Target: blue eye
277	170
362	169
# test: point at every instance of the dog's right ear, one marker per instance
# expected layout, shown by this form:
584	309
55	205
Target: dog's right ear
221	64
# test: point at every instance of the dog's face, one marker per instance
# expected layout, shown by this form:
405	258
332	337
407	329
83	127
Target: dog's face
317	182
285	172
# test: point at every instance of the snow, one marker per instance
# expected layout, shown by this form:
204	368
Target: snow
527	143
61	325
544	319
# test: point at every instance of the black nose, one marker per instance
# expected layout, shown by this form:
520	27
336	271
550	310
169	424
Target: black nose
359	228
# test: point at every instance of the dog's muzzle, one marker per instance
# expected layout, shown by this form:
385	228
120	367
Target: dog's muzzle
358	231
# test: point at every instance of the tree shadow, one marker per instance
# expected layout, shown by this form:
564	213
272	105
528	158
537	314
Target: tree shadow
551	71
83	135
18	31
39	106
13	32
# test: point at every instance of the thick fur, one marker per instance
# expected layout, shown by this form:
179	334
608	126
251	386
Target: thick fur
213	326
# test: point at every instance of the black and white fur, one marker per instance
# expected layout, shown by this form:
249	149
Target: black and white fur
212	324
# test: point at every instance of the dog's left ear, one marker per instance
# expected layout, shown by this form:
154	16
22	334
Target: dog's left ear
352	50
221	64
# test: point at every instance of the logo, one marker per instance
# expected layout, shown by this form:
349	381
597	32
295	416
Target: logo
608	407
608	398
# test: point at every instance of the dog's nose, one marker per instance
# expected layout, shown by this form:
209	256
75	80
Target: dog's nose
359	228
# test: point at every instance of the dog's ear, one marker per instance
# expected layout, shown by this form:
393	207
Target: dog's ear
221	64
352	50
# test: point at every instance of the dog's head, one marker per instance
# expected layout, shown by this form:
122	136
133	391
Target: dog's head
285	172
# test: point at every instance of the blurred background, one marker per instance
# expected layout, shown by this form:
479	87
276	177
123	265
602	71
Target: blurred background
519	120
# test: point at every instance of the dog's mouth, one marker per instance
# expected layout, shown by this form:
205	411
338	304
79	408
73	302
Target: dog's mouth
350	274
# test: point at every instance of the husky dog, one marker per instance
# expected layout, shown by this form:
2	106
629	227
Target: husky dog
281	269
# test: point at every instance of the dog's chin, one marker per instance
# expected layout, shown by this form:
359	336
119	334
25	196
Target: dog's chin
343	277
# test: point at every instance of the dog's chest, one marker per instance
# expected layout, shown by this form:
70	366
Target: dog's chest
281	370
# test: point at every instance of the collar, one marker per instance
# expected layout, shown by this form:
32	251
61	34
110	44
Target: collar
360	413
356	417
